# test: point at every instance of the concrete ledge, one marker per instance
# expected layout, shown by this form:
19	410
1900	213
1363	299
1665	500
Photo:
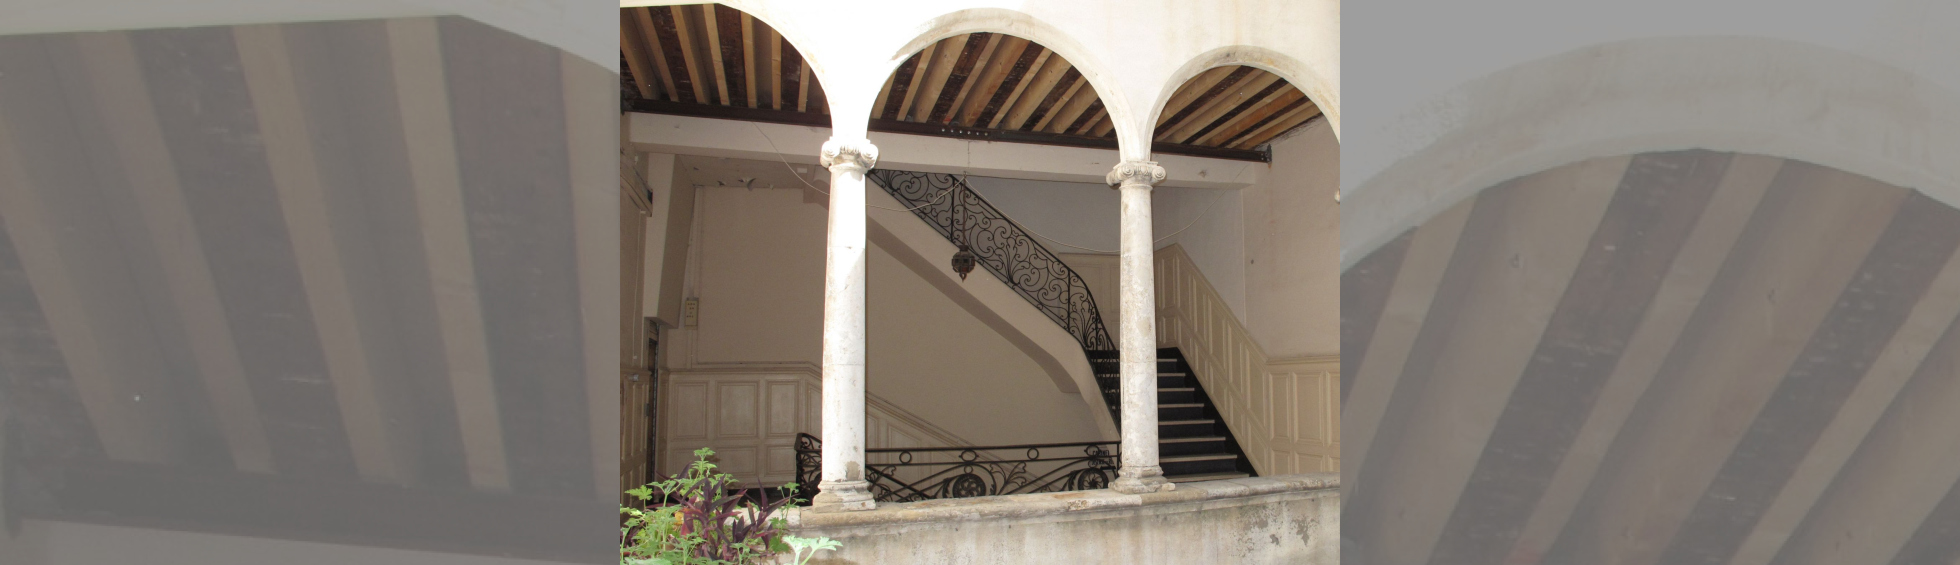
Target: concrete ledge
1284	519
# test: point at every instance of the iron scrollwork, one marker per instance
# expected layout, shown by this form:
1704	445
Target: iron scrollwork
1003	248
900	475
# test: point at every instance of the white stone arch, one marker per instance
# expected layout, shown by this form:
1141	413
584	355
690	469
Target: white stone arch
1292	70
1771	97
1026	26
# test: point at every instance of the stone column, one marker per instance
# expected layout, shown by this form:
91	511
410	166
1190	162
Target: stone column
1140	472
843	486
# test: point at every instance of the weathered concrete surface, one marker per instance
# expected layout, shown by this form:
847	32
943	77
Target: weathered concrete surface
1284	519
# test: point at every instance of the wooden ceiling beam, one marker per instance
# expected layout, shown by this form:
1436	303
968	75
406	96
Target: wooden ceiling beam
1078	103
428	136
749	85
1653	207
1172	120
1103	128
637	61
677	37
1090	116
992	81
296	176
899	85
657	51
1057	99
978	44
773	48
976	78
1808	242
717	50
1537	221
1016	83
1273	107
918	75
1035	97
943	63
1278	127
1273	95
1245	90
1709	243
1192	90
792	75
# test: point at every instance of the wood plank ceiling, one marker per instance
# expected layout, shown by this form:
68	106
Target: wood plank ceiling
713	60
1681	358
251	274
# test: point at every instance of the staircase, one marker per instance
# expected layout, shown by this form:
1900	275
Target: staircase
1193	443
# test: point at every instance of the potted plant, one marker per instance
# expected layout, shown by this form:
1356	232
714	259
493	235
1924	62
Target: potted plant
700	523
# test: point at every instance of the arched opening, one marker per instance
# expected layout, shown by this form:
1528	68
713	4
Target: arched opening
711	55
1232	107
994	81
1661	357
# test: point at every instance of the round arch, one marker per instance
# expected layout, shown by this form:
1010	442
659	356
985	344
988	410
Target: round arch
1288	68
1031	28
1748	95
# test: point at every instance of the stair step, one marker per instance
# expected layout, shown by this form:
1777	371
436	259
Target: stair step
1191	439
1190	458
1206	477
1185	422
1179	389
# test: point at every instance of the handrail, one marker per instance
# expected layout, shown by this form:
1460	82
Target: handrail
1004	248
975	472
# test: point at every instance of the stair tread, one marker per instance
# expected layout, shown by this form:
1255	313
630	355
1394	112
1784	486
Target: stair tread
1189	405
1179	422
1183	389
1198	457
1191	439
1205	477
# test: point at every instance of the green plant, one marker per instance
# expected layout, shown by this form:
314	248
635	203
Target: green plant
705	525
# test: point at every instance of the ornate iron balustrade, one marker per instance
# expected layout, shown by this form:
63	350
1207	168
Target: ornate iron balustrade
1003	248
899	474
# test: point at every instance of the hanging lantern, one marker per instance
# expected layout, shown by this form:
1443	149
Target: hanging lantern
963	261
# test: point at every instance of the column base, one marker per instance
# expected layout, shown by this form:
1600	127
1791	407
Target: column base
843	496
1141	480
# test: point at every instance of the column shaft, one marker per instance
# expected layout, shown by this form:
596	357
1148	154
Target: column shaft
843	486
1140	472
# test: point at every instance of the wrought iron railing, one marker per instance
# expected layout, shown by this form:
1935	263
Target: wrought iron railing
914	474
1003	248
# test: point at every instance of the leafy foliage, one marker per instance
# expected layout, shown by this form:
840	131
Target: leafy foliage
705	524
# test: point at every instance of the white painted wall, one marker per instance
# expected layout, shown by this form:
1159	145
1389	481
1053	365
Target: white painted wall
1292	244
759	278
1867	87
587	33
67	543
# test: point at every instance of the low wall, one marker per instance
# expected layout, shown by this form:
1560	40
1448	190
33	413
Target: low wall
1284	519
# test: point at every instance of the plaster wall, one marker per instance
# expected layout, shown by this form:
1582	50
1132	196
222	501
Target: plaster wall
1867	87
759	282
1281	519
589	34
67	543
1292	244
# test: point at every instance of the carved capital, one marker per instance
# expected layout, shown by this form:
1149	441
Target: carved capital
1131	173
859	153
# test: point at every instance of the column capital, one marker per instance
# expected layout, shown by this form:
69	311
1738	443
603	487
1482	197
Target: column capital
857	153
1132	173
